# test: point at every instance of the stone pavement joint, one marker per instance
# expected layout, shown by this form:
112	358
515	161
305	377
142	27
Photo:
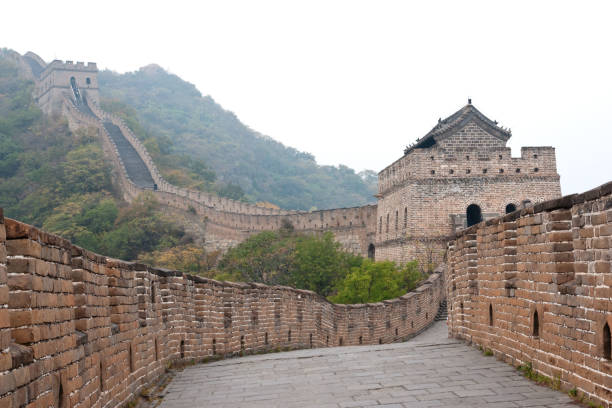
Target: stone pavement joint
426	371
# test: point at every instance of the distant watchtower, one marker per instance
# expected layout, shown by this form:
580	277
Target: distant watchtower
55	81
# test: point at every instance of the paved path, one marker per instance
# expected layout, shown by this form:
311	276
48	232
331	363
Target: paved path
427	371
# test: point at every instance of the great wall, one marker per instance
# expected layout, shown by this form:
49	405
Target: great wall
461	164
78	329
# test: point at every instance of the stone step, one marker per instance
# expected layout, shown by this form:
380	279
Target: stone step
442	312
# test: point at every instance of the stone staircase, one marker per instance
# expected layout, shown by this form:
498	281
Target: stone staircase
442	311
134	165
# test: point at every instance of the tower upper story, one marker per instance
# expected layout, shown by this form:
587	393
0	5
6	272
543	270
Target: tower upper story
60	78
467	145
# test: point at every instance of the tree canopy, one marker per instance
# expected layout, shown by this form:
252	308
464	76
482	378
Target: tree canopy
317	263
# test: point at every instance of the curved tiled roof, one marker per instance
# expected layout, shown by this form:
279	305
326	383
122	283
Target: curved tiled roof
455	122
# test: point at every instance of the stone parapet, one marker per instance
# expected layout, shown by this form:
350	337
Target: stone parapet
79	329
535	286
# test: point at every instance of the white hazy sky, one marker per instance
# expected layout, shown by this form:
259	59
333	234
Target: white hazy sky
353	82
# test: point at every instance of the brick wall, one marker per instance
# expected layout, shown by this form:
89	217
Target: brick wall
78	329
535	286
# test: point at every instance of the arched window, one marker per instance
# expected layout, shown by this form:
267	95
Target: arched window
607	343
474	215
536	324
490	315
405	217
371	251
510	208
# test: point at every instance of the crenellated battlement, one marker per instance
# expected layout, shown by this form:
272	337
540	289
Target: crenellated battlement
441	164
71	66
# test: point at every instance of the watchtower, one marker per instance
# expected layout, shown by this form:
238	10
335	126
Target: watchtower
457	175
60	79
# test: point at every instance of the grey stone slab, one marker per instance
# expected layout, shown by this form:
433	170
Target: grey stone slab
429	370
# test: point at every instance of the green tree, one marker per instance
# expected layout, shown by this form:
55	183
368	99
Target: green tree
319	263
376	281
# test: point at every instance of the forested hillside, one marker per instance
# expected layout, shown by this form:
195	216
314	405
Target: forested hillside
59	180
174	119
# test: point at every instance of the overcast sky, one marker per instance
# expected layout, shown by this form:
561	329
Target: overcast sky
353	82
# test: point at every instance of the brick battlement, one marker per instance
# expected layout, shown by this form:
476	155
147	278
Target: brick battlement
534	286
69	66
435	165
91	331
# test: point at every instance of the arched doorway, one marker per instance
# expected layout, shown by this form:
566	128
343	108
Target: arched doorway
75	90
474	215
510	208
371	251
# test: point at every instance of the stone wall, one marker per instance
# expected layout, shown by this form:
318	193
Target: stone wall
535	286
78	329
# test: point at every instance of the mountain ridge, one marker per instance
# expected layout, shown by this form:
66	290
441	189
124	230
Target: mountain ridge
174	113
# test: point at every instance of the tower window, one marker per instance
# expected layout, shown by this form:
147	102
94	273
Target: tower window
405	217
510	208
468	171
536	324
501	170
490	315
518	170
535	170
88	81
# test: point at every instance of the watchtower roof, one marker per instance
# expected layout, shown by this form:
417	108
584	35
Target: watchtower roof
456	122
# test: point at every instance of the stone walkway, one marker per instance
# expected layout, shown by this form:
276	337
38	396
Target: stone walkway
427	371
